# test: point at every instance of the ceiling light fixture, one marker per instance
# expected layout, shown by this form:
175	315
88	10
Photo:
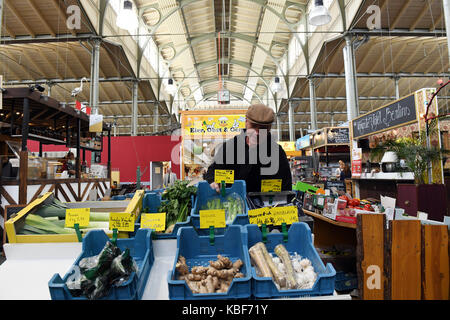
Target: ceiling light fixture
126	19
276	86
171	87
319	15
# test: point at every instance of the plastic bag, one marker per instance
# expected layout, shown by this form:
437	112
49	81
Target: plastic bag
99	273
233	204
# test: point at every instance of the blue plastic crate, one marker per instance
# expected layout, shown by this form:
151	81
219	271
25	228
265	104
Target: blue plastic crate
346	281
300	241
199	251
205	192
140	249
119	197
152	201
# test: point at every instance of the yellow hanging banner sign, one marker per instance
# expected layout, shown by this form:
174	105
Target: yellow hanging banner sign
224	175
122	221
155	221
212	218
271	185
78	216
214	125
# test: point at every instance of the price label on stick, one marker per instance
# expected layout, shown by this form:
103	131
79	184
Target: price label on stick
271	185
78	216
155	221
288	214
260	216
121	221
215	218
224	175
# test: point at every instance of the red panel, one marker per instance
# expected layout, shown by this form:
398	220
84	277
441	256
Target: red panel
129	152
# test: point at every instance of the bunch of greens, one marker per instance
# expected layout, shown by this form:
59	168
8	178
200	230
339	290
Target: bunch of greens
177	203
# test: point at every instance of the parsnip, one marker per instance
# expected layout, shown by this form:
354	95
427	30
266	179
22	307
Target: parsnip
282	253
277	275
258	258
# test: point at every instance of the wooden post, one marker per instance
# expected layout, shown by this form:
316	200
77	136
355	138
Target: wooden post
23	176
404	269
77	169
435	262
109	153
370	234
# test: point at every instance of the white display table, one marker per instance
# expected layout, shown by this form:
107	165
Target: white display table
28	268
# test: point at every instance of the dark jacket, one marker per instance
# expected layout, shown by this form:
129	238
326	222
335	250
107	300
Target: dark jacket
252	165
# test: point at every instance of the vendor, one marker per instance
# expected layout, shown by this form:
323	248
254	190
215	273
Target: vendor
70	164
169	177
254	155
345	172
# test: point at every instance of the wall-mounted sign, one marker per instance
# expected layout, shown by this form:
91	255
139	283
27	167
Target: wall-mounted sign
288	146
303	142
214	124
338	136
398	113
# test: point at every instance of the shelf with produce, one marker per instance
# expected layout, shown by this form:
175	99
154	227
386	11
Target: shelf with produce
337	223
386	176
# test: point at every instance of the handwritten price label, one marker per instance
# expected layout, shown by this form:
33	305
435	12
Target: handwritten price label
78	216
224	175
273	216
215	218
288	214
155	221
272	185
121	221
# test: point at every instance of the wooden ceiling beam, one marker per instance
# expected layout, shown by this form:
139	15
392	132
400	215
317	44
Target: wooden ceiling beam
436	22
20	18
32	3
7	53
422	12
9	31
400	14
44	56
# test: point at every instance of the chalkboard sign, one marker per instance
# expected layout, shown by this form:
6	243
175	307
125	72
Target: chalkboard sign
392	115
338	136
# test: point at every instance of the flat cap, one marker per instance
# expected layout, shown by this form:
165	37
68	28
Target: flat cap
260	114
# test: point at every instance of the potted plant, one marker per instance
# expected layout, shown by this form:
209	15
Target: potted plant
415	156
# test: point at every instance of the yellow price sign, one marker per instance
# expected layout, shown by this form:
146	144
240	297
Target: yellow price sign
214	218
224	175
155	221
122	221
271	185
78	216
288	214
260	216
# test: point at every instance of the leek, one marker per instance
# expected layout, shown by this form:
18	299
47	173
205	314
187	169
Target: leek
43	224
99	216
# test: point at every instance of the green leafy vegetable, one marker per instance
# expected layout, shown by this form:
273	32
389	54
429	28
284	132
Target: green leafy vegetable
177	202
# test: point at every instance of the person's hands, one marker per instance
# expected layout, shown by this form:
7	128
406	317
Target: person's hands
215	186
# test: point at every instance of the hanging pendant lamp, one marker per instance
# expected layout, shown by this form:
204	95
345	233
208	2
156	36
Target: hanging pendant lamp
319	15
126	18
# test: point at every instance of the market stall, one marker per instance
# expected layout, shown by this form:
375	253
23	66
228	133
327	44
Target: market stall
27	115
385	146
202	132
330	145
302	164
